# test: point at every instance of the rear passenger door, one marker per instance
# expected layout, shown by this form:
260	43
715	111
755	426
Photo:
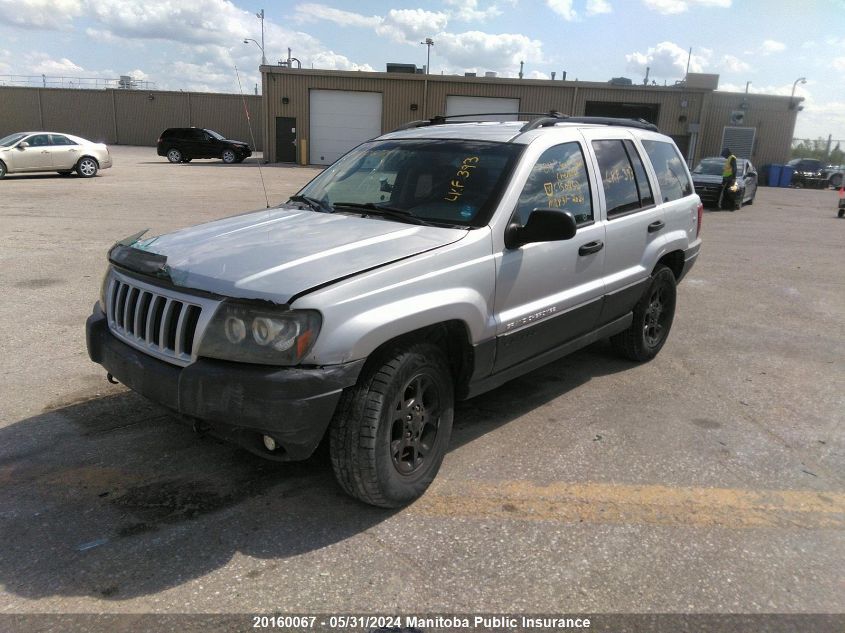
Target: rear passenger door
548	293
635	222
65	152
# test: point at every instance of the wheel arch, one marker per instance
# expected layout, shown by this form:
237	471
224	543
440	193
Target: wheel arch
674	261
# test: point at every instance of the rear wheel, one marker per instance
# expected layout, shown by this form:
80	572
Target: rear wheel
87	167
653	316
229	156
174	155
391	431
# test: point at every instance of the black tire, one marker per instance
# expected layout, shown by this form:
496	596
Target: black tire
798	185
841	213
87	167
751	200
653	316
174	155
2	169
378	454
836	181
228	156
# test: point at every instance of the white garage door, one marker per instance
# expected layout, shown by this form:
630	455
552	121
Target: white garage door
482	105
340	120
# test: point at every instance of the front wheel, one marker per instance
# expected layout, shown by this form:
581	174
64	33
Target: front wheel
87	167
2	169
390	432
653	317
229	156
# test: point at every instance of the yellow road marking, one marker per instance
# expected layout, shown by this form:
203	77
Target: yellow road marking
632	504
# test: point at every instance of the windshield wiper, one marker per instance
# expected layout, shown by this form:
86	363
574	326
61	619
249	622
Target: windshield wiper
388	212
315	204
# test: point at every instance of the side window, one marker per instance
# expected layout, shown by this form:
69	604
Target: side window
58	139
39	140
671	172
558	180
197	135
626	187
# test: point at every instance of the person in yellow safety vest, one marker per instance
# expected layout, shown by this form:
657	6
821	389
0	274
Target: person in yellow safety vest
729	194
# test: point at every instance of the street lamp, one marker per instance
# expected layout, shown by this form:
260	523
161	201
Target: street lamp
260	16
792	103
428	43
247	40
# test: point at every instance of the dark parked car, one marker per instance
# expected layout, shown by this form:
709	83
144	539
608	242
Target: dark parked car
707	178
808	173
181	144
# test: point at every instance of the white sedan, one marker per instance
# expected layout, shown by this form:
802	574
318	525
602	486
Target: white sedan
25	152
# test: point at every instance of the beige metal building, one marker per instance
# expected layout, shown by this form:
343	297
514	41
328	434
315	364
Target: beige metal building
314	116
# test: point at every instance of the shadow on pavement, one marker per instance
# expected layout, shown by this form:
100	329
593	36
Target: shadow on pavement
114	498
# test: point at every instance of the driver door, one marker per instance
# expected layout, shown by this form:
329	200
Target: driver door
36	157
548	293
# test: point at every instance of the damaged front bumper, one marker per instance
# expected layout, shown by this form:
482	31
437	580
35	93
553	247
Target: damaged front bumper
239	402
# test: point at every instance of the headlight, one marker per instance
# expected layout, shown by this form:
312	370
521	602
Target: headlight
250	333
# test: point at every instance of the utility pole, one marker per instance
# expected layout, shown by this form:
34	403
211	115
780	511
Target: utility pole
260	16
428	44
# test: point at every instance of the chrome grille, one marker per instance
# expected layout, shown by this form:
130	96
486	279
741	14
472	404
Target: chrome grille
159	321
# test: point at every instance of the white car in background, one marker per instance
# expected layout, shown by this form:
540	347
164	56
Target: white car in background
26	152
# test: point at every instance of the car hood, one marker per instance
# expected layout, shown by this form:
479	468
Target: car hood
276	254
706	179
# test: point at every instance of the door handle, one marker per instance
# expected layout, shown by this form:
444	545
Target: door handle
656	226
591	247
44	151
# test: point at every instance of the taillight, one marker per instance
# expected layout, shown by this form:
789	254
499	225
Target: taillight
158	141
700	217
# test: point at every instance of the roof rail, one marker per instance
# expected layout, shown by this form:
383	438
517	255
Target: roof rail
440	119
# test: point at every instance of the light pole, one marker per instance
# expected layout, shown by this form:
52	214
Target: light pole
260	16
803	80
428	43
247	40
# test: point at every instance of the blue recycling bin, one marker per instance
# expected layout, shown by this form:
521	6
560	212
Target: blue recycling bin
786	176
773	177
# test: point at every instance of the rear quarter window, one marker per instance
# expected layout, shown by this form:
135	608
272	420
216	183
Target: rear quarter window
670	169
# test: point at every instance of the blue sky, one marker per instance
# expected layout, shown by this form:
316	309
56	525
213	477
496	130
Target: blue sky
195	45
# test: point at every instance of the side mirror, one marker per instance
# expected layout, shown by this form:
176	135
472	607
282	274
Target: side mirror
544	225
23	145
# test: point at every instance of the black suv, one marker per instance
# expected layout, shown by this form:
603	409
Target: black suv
808	173
181	144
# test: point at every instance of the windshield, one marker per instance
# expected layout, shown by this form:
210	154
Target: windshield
446	181
216	135
8	141
710	167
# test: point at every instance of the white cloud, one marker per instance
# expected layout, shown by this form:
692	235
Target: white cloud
667	60
312	12
596	7
411	25
772	46
468	11
733	64
40	14
563	8
477	51
669	7
536	74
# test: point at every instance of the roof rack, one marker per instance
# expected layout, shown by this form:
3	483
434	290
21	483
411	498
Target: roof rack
440	119
546	119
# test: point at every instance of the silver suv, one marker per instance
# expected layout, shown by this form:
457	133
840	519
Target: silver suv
431	264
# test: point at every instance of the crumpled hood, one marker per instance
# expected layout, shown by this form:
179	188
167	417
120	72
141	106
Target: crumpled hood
275	254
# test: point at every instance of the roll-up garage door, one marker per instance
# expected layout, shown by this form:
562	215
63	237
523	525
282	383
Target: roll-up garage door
482	105
340	120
